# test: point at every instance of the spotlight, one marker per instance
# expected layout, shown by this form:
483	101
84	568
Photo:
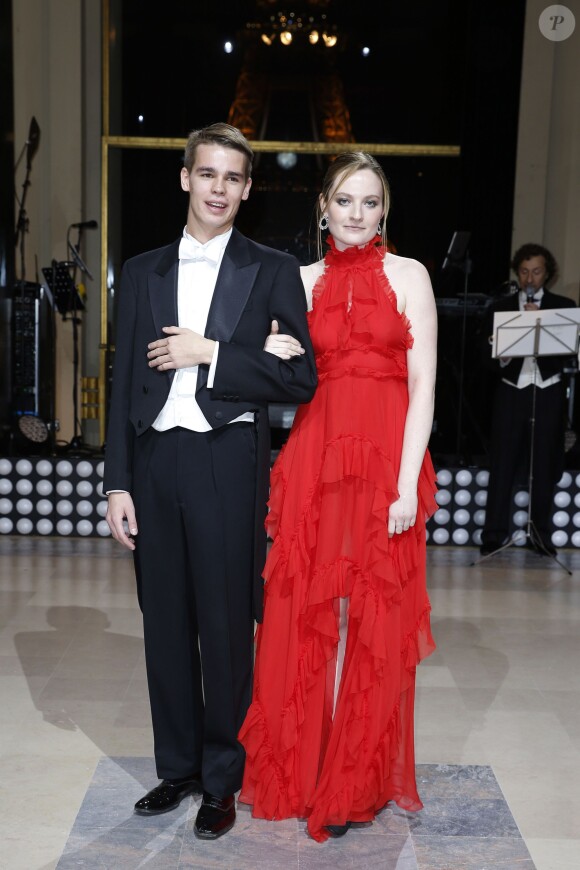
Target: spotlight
366	51
268	40
286	159
228	47
33	428
329	39
285	37
313	37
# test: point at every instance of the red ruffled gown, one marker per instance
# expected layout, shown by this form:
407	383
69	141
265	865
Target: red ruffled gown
331	489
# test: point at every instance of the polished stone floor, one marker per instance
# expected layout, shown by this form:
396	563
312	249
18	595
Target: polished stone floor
498	725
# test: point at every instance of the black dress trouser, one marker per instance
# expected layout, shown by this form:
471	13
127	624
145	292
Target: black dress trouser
194	497
510	444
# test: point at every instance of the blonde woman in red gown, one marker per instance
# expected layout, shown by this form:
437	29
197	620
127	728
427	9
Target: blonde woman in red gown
330	733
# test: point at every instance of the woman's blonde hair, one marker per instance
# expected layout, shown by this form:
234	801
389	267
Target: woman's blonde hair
345	165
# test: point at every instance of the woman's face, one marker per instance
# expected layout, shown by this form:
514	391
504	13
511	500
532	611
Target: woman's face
354	209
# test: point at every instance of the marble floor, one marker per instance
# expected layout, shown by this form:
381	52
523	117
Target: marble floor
498	725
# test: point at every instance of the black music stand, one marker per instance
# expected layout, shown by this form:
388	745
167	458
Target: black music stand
68	301
65	294
524	335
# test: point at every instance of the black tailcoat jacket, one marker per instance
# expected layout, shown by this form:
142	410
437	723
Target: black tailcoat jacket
255	285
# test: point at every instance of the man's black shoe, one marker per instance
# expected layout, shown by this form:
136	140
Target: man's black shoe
489	547
168	795
541	547
216	816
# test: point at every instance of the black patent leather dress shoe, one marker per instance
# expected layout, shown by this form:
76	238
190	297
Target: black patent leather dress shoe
489	547
168	795
216	816
338	830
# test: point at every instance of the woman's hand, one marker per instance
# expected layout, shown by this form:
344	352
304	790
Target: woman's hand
283	346
402	514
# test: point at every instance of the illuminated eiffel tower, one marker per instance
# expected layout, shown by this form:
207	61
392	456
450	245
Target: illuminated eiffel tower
289	87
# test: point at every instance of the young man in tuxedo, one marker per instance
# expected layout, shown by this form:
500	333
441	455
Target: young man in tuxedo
187	466
535	267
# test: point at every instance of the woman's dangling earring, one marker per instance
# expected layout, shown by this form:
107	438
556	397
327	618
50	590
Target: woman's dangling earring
323	222
379	229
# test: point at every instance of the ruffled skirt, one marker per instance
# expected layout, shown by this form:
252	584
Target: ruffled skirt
330	496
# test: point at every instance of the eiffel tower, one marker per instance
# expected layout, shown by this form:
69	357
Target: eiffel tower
289	87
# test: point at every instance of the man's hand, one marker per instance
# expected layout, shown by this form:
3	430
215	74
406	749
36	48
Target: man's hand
182	349
121	507
283	346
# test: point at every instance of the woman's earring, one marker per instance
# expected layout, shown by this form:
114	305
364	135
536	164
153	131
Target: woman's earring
379	229
323	222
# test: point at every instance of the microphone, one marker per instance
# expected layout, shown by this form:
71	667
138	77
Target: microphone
33	139
529	294
85	225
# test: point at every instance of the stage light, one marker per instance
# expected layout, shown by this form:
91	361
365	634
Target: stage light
84	488
440	536
313	37
24	466
24	487
44	487
228	47
444	477
560	519
482	478
140	118
5	486
286	159
366	51
24	506
84	508
268	40
102	508
24	526
463	477
84	469
102	529
5	466
44	467
285	37
84	528
64	508
460	536
64	488
461	517
33	428
44	507
64	527
64	468
6	526
44	527
562	499
329	39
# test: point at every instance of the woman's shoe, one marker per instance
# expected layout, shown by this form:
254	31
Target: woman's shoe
338	830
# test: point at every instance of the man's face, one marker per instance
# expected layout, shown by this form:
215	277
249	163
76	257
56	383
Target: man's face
532	273
216	185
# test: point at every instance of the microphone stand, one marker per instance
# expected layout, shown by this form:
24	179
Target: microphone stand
76	442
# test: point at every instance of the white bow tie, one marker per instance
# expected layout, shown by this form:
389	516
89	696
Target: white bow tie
194	252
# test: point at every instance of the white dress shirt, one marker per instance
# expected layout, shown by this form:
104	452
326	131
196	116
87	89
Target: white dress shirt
198	270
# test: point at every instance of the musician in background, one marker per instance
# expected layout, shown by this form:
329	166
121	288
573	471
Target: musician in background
535	269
